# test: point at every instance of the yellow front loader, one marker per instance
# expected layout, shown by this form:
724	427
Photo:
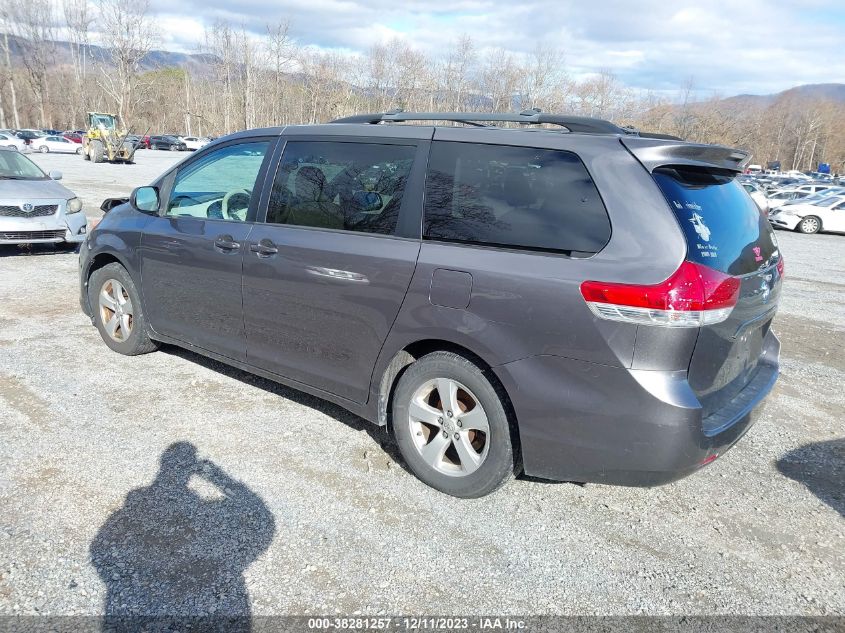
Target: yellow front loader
106	140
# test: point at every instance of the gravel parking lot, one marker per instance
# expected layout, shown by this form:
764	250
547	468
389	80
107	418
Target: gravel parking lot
293	506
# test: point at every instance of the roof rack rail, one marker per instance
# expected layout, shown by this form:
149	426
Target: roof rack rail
578	124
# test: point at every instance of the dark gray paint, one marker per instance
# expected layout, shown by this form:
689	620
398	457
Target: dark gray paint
450	288
330	312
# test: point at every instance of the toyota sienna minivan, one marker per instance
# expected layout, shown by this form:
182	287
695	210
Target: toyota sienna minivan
507	293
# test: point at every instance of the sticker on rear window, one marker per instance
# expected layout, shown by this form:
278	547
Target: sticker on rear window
700	227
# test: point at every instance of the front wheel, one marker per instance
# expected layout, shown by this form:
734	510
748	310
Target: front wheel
118	314
78	150
43	149
153	146
451	426
810	224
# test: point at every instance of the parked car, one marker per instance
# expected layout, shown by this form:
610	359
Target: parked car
758	195
57	144
167	142
73	137
34	207
827	215
194	143
11	141
587	306
27	136
779	198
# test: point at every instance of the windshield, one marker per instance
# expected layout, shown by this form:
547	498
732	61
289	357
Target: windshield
13	166
828	202
104	120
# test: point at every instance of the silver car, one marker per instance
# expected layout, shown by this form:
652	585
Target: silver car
34	207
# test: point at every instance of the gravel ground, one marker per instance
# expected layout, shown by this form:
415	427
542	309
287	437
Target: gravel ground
170	483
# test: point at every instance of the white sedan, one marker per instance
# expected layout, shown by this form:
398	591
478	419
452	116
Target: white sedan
8	140
56	144
194	142
826	215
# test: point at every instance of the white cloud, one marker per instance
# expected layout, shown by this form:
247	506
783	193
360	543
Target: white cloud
725	46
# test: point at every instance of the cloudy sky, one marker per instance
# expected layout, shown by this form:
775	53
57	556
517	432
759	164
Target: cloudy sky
725	46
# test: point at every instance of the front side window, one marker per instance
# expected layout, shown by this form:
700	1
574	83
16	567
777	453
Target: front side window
518	197
219	185
345	186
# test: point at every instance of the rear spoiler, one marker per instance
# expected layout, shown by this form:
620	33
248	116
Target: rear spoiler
654	153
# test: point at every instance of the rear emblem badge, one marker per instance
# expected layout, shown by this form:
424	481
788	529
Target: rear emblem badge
27	207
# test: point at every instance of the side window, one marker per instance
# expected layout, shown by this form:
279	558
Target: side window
513	196
219	185
348	186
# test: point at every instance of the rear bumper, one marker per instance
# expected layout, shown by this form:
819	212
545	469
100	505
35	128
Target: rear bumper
584	422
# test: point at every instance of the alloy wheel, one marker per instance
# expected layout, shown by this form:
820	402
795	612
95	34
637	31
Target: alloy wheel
449	427
810	225
116	311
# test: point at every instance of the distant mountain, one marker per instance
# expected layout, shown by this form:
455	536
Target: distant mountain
198	64
830	92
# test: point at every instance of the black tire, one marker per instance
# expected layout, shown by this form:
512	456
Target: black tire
810	224
137	342
97	150
501	461
79	150
153	146
174	148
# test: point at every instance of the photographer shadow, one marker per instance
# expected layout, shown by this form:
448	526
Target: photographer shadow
173	559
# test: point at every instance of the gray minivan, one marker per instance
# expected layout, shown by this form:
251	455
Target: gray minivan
525	292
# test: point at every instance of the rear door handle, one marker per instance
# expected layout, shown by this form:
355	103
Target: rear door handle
264	248
226	243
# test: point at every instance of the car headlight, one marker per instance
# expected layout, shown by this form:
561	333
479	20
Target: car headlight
74	205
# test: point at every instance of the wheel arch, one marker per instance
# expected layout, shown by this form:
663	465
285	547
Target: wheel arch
101	260
404	357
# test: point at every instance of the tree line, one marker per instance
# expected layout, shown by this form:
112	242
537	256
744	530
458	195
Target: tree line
250	80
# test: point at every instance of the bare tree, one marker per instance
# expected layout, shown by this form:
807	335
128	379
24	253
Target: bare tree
78	18
128	36
280	50
33	21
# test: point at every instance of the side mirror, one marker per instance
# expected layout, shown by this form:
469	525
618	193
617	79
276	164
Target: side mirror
55	175
145	199
111	203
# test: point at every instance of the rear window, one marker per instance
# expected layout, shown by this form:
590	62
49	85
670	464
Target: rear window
724	228
517	197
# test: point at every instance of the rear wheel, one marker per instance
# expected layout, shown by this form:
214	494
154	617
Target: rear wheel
451	426
153	146
118	314
810	224
78	150
43	149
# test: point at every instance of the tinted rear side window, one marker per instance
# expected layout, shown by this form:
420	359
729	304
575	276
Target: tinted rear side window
724	228
513	196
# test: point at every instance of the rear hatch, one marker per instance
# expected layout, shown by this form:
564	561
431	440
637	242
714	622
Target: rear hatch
725	231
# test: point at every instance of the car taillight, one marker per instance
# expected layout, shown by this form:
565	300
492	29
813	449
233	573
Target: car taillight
780	266
693	296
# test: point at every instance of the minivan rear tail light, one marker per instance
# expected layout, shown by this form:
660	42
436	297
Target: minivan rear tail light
780	266
693	296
